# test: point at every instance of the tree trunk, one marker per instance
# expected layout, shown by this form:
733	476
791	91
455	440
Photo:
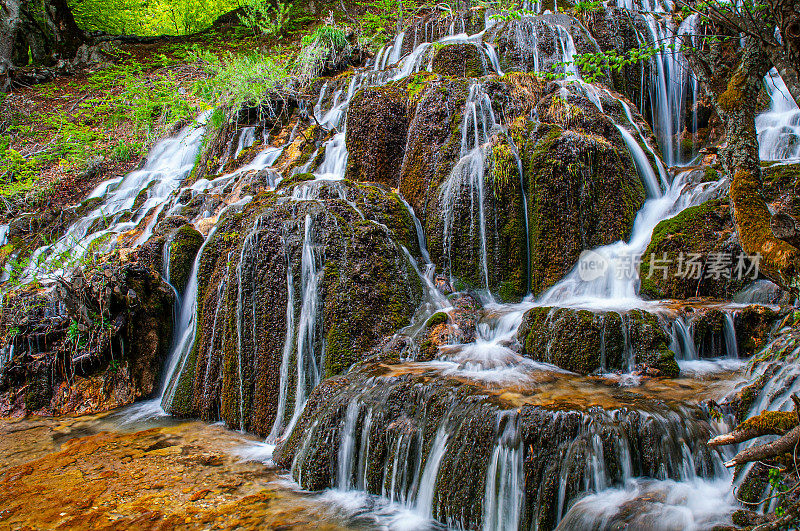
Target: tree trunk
40	31
9	22
733	77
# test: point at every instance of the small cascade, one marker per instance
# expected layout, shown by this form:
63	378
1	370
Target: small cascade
505	477
288	344
468	176
779	126
393	436
308	361
683	344
616	283
168	163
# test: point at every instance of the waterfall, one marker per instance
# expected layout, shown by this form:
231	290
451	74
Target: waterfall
288	343
166	166
469	174
779	126
309	364
505	480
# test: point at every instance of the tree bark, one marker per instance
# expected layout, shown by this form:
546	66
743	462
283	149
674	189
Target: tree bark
784	445
732	71
42	31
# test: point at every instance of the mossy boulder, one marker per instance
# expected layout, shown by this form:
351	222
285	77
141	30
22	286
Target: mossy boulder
319	280
403	416
183	250
571	170
584	342
583	192
377	126
459	60
702	253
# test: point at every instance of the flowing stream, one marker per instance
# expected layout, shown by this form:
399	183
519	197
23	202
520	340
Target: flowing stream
693	484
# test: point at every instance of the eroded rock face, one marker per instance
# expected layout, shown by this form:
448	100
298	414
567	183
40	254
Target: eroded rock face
377	125
435	443
321	280
93	343
511	178
584	342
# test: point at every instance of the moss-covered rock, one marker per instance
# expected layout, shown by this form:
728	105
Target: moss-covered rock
183	249
402	417
459	60
584	342
702	251
584	192
316	282
377	126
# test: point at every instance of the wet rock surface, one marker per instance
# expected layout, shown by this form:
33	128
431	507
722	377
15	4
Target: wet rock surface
402	431
184	476
90	344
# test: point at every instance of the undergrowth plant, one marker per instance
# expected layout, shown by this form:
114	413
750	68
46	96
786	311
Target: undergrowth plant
239	78
325	48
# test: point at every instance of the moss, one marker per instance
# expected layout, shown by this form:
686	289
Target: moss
582	193
417	84
338	354
459	60
183	249
377	125
666	364
704	230
778	258
296	179
710	174
770	422
436	319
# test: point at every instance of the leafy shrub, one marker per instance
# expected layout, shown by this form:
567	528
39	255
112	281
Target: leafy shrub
327	48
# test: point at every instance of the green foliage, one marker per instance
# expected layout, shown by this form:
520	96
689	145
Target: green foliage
595	65
149	17
583	8
381	17
122	96
75	336
124	151
239	78
262	18
325	48
779	489
17	174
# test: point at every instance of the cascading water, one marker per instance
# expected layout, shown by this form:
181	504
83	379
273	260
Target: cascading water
469	172
410	461
779	126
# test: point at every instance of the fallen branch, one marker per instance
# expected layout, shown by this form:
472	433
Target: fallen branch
767	423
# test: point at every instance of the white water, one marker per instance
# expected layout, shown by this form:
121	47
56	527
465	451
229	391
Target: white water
778	127
488	358
469	173
168	163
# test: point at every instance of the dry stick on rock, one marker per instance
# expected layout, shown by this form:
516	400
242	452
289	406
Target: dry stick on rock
767	423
